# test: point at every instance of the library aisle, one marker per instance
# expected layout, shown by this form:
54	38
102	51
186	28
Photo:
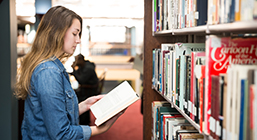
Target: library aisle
129	126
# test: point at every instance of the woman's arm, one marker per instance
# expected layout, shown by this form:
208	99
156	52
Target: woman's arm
86	104
96	130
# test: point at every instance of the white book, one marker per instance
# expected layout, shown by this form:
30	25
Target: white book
229	102
115	101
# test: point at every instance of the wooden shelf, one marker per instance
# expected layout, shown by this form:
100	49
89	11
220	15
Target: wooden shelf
184	31
235	27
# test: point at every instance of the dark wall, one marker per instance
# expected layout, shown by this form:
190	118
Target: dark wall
8	68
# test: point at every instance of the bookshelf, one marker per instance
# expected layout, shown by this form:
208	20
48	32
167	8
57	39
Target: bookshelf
196	34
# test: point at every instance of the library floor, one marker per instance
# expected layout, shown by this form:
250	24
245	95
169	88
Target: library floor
129	126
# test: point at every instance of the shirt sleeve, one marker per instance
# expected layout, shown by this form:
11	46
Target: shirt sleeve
53	101
86	130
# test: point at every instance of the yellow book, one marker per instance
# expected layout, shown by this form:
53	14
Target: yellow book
238	10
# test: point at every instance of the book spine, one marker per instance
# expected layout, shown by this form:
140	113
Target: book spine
232	11
238	10
241	123
192	86
222	98
188	84
202	12
252	119
202	86
177	81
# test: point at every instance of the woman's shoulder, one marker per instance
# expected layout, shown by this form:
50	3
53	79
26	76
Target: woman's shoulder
47	65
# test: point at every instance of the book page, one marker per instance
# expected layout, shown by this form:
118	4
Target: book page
116	100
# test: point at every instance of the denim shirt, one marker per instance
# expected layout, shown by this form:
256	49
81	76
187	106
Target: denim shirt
51	108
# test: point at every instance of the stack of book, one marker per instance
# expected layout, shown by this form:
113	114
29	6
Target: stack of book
169	124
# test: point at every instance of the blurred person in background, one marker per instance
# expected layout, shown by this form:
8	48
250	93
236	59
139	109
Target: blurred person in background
84	73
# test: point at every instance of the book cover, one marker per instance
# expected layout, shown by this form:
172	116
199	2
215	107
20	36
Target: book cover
158	15
247	7
232	11
182	82
164	72
154	71
241	123
201	14
154	12
238	10
221	52
214	105
202	94
246	117
255	10
250	87
251	109
255	105
227	129
115	101
188	85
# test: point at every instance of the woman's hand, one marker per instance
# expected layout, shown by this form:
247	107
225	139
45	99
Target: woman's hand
86	104
96	130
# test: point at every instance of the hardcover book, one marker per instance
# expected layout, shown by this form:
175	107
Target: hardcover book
115	101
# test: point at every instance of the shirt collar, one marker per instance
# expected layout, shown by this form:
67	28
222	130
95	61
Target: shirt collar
58	63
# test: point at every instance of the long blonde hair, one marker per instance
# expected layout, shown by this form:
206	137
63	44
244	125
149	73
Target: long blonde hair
48	42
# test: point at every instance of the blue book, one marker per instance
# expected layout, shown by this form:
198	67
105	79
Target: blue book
241	123
202	9
246	110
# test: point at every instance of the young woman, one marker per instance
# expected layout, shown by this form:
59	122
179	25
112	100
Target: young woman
51	106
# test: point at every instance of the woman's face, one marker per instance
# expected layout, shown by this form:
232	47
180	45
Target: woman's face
71	38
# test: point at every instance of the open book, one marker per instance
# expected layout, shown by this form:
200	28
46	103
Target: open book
115	101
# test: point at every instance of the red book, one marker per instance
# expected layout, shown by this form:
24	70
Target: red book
202	81
214	105
221	52
196	61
